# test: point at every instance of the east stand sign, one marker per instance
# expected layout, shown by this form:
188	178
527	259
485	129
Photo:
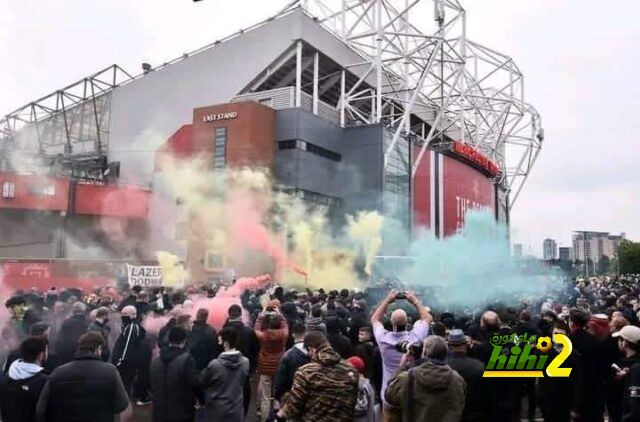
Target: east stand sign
144	275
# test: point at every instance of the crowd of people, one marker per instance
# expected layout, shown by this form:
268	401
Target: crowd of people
314	355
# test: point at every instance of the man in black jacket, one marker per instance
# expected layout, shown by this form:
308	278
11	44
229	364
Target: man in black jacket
293	359
203	340
359	319
20	388
478	396
85	389
127	352
248	345
174	381
589	347
338	342
72	329
100	325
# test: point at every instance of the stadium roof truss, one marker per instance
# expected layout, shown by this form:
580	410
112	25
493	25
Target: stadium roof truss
433	85
428	84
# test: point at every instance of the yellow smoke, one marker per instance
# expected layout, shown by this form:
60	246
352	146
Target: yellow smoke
219	202
173	273
365	229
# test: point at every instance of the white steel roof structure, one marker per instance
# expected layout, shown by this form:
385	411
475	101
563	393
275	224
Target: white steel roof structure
458	88
375	61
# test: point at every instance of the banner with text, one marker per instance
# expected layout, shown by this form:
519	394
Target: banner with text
144	275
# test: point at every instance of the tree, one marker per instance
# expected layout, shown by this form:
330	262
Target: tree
629	257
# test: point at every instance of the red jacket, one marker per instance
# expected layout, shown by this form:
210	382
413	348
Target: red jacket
272	346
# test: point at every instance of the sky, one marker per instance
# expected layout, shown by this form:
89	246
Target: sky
579	57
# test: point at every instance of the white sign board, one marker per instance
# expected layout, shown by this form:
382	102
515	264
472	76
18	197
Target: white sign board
144	275
220	116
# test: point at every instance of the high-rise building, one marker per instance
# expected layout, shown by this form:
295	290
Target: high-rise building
594	245
517	250
549	249
565	253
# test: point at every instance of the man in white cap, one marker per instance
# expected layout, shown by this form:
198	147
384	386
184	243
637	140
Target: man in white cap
629	371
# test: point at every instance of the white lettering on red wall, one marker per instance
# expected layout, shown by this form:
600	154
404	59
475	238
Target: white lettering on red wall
220	116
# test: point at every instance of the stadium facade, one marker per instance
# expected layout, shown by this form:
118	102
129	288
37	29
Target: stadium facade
351	109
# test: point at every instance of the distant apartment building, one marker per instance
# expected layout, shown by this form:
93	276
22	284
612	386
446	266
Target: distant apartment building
549	249
517	250
565	253
594	245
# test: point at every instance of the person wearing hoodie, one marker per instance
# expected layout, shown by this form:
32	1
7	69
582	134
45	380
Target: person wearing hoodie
324	390
20	388
174	381
72	329
248	345
293	359
314	321
223	381
339	342
272	331
203	340
431	391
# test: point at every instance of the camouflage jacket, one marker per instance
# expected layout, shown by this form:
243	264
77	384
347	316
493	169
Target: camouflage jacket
323	390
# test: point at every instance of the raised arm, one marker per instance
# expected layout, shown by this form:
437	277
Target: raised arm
423	311
377	315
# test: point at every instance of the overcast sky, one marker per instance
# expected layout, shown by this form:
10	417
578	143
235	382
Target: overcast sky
580	59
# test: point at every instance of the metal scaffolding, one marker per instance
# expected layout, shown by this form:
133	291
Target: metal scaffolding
432	84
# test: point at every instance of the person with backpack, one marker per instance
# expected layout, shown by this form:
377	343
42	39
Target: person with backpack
366	401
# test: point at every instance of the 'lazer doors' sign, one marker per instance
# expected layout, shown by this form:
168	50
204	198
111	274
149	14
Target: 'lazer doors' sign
144	275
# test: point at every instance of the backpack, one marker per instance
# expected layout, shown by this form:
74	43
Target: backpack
363	401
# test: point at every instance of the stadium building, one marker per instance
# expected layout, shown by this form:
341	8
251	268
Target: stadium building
353	105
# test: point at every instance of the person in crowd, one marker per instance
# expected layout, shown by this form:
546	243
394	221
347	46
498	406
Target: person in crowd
562	399
100	325
248	345
432	391
612	355
314	321
366	399
130	299
629	344
203	340
72	329
39	329
85	389
143	308
359	319
21	386
477	406
293	359
174	381
387	340
162	340
325	389
589	348
365	349
128	347
338	342
223	380
272	331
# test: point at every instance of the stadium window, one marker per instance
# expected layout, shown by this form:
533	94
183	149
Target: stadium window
8	190
309	147
214	261
220	148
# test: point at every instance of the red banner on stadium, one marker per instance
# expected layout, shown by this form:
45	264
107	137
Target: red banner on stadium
465	188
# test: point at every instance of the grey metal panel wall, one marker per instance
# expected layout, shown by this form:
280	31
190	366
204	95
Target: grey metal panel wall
357	179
